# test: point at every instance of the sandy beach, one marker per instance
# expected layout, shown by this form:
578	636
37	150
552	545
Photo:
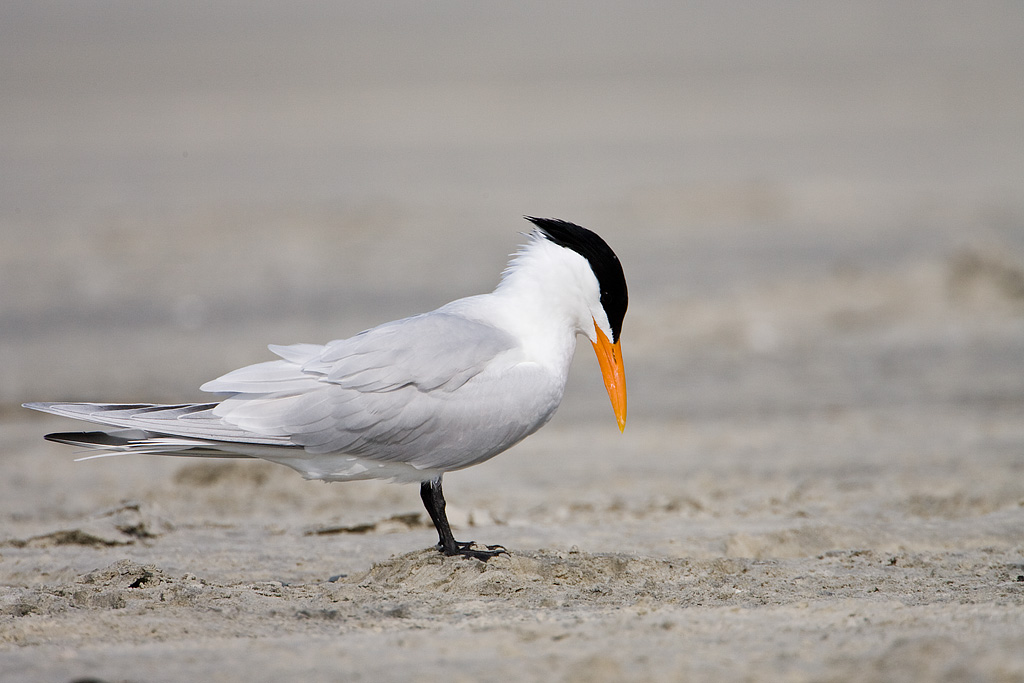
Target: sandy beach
820	214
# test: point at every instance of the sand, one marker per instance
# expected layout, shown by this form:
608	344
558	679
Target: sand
820	212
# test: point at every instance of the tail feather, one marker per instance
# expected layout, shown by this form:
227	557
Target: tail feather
118	441
191	429
194	421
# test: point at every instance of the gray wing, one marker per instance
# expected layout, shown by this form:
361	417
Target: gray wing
391	393
430	351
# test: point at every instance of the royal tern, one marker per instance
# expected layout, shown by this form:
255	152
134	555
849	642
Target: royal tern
411	399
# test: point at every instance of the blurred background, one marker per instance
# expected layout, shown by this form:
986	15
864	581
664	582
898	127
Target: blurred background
819	207
816	204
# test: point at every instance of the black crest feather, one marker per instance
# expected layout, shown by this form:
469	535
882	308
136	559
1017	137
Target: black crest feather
603	261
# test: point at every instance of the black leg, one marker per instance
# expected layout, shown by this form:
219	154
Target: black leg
433	500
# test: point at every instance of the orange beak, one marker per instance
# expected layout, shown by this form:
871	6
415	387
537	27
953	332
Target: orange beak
610	357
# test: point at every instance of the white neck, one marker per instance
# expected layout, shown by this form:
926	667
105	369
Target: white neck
542	300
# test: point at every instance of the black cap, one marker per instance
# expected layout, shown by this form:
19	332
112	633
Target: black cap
602	260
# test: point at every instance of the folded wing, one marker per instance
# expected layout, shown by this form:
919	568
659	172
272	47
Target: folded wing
381	394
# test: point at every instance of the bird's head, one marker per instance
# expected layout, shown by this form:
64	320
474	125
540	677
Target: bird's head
603	286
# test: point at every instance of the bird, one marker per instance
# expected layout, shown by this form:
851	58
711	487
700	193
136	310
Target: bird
409	400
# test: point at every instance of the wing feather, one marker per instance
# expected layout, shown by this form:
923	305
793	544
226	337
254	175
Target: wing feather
375	394
296	353
431	351
275	376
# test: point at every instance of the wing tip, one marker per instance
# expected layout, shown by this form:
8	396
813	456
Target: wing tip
42	406
94	439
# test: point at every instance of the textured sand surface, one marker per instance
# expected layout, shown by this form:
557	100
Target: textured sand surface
820	211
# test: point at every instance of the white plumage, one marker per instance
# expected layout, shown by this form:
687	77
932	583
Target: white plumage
411	399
